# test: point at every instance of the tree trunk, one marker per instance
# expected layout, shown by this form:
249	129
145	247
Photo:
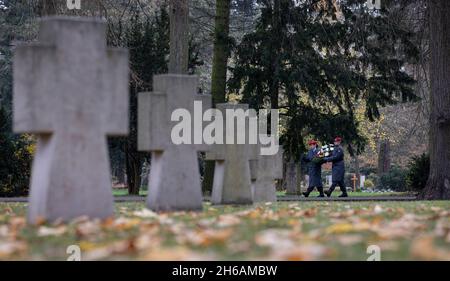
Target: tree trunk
438	185
219	71
384	157
299	177
48	7
179	37
221	51
133	156
133	172
120	173
133	179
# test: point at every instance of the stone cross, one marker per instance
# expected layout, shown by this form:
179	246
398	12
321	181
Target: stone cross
72	92
174	180
266	169
232	178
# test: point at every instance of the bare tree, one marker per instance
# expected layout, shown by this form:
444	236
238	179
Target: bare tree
48	7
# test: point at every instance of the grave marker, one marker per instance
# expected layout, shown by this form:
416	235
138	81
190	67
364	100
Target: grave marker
71	91
232	178
265	171
174	180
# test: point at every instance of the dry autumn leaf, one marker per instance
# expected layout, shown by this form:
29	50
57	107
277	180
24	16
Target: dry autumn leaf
51	231
423	248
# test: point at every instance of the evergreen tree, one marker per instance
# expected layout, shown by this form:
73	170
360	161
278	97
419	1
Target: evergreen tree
15	150
15	159
315	60
147	39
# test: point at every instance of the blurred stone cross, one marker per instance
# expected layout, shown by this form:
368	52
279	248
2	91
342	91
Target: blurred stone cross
72	92
232	177
174	180
265	170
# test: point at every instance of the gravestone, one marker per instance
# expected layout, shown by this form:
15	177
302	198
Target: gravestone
265	171
362	180
174	180
71	91
232	178
329	180
145	171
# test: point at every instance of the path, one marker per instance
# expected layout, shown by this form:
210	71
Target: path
280	198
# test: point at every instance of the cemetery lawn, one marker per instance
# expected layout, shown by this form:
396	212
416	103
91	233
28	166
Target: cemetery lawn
418	230
337	192
124	192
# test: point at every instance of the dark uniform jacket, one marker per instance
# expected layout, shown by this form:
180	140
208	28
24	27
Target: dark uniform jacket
314	169
337	157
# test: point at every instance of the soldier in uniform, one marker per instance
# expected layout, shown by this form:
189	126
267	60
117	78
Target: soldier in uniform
338	170
314	170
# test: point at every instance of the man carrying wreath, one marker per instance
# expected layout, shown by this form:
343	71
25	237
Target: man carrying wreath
338	170
314	169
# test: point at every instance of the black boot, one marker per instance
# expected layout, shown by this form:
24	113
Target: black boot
308	191
343	190
320	189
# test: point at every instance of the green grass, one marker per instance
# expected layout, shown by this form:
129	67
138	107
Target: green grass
124	192
337	192
281	231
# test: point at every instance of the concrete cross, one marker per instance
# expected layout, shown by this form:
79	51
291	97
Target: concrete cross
265	170
174	181
232	178
71	91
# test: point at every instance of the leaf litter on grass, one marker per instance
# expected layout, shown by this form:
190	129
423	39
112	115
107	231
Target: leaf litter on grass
276	231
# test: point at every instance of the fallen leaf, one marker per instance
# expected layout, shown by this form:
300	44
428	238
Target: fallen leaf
227	220
308	252
423	248
174	254
339	228
87	228
348	240
10	248
377	209
145	213
51	231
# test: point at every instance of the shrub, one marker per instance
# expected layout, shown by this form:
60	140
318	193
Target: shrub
418	172
368	170
395	179
15	156
374	178
368	183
